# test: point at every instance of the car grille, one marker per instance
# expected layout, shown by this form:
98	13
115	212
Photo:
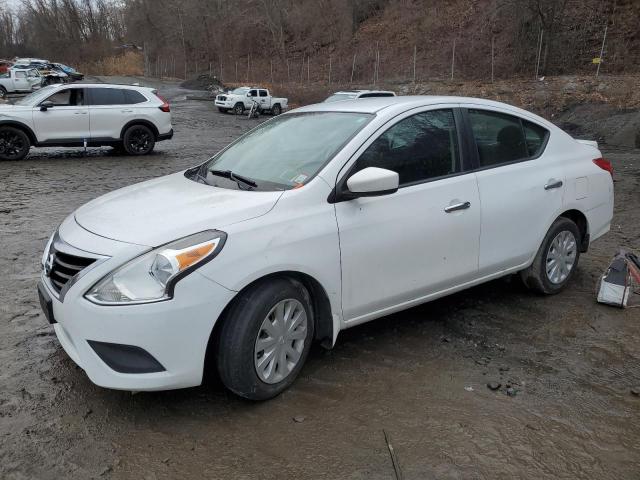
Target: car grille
63	267
222	98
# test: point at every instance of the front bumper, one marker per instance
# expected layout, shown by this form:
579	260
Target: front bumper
175	332
224	104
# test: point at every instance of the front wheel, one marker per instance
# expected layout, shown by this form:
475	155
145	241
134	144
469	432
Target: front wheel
14	144
265	339
139	140
238	109
556	260
3	92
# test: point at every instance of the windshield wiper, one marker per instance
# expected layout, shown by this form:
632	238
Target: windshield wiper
239	179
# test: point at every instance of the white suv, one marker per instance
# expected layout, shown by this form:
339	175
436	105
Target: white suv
125	117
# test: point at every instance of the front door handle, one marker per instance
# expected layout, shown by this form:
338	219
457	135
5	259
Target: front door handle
127	111
553	184
457	206
80	113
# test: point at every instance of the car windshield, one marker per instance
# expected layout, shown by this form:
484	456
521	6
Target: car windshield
287	151
36	97
340	96
240	91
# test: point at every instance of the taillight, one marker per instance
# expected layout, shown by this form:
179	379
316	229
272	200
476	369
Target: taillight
604	164
165	105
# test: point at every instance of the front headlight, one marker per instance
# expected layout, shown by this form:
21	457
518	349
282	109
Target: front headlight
152	277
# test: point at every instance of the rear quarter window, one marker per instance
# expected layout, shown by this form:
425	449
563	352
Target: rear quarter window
133	97
535	138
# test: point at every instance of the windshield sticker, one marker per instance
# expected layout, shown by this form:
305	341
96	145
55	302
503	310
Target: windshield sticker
300	178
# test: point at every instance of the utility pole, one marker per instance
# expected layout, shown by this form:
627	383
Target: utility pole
604	39
453	58
539	53
353	68
492	54
415	53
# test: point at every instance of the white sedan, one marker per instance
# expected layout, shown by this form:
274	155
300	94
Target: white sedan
315	221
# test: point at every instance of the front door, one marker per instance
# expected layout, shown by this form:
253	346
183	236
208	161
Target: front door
66	121
423	239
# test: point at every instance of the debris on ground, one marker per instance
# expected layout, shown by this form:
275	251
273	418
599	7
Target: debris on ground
494	385
299	418
394	458
203	82
620	284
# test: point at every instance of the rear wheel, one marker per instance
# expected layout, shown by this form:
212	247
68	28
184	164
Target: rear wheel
238	109
265	339
139	140
14	144
556	260
276	109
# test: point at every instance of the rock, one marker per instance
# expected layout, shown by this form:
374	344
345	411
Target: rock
87	413
504	368
445	340
494	385
299	418
635	391
105	470
511	392
469	389
483	361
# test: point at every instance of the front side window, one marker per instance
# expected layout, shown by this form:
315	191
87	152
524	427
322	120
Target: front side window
419	148
67	98
108	96
287	151
253	93
499	137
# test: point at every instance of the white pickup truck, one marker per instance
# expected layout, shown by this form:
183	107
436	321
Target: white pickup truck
242	98
19	81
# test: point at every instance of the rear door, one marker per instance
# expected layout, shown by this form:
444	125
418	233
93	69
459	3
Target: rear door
110	109
521	187
67	121
264	99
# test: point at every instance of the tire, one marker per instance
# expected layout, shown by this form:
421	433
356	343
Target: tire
238	109
276	110
560	245
223	110
3	92
238	352
14	143
138	140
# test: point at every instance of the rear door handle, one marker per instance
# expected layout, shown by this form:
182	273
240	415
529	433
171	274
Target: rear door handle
80	113
457	206
127	111
553	184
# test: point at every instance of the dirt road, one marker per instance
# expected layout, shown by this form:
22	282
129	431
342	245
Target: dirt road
420	375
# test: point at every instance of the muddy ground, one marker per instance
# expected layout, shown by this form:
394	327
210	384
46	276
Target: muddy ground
420	376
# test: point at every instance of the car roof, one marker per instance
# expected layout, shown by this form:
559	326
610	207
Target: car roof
102	85
402	103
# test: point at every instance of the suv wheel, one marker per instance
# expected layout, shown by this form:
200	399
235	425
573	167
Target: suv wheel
556	260
14	144
265	339
238	109
139	140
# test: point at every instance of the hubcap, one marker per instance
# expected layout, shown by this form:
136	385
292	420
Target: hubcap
561	257
280	341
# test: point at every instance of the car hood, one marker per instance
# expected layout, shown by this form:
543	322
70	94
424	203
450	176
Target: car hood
158	211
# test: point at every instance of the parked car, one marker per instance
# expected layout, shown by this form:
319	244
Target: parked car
17	80
5	65
73	74
315	221
354	94
242	98
126	117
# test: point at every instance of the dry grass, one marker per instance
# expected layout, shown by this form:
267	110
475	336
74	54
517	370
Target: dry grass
127	64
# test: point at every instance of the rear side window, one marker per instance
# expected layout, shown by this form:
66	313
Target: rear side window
108	96
535	137
133	96
499	137
263	93
419	148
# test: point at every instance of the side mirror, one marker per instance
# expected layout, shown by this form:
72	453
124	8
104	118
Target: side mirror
46	105
248	94
373	182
